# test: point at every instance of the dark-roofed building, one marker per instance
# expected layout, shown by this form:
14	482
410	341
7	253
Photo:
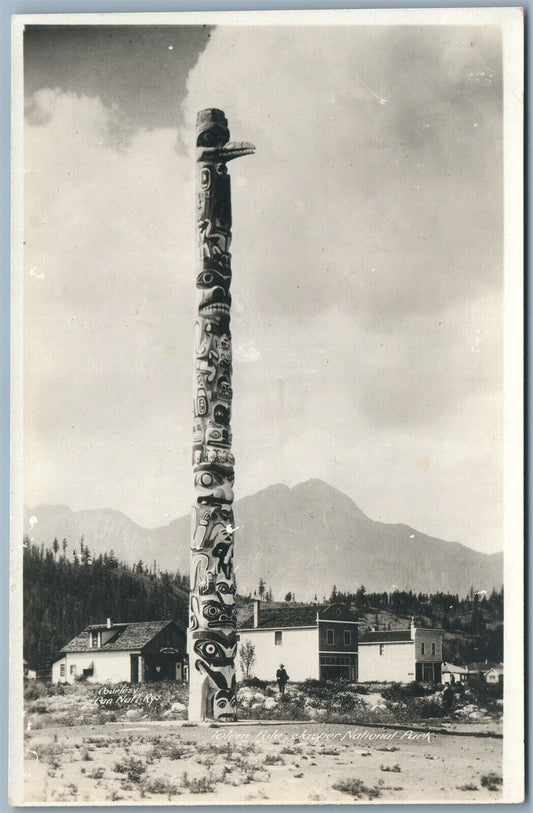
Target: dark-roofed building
311	641
404	655
132	652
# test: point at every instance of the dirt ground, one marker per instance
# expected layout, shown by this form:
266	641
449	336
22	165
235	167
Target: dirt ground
246	762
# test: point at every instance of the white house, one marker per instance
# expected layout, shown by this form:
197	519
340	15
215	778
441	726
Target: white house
133	652
451	673
311	641
401	655
494	675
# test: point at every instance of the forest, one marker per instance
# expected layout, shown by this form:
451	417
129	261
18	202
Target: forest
64	592
62	595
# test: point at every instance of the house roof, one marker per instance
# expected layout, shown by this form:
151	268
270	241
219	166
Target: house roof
289	616
132	635
385	636
296	615
452	668
482	666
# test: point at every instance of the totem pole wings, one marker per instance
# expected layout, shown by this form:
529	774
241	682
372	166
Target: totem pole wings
212	639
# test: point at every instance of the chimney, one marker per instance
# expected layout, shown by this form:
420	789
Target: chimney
412	627
257	603
109	623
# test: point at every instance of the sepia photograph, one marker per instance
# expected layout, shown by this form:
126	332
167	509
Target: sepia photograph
267	488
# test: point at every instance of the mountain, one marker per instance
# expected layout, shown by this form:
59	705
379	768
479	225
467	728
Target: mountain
303	539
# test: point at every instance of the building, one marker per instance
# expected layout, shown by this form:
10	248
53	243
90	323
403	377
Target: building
494	675
311	641
451	673
401	655
132	652
490	672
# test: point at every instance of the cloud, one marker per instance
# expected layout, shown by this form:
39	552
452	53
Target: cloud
366	288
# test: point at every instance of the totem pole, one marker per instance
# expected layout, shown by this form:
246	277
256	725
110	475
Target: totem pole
212	637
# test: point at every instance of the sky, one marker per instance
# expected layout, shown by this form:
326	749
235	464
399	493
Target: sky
367	266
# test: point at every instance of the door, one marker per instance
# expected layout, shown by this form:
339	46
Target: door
134	664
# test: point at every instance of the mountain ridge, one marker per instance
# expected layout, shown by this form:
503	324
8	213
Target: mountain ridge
305	539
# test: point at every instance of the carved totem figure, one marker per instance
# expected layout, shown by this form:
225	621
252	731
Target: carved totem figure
212	639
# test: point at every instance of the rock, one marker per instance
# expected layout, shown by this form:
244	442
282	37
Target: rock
321	712
470	707
256	706
474	715
134	714
270	703
177	706
312	712
259	697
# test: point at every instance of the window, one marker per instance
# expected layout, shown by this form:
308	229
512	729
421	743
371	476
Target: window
381	649
62	670
433	648
423	648
277	637
73	669
347	637
94	639
335	660
330	636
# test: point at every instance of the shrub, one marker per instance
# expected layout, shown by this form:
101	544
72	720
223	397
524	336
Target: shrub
273	759
357	788
467	786
399	693
35	689
491	781
203	785
390	768
133	768
485	694
160	785
255	683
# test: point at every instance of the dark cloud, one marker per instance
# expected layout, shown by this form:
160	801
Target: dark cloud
141	70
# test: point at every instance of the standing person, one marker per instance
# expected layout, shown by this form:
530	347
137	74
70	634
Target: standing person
282	678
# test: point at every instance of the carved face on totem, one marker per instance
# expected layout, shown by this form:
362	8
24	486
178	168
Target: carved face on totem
215	649
211	486
212	613
211	128
225	705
